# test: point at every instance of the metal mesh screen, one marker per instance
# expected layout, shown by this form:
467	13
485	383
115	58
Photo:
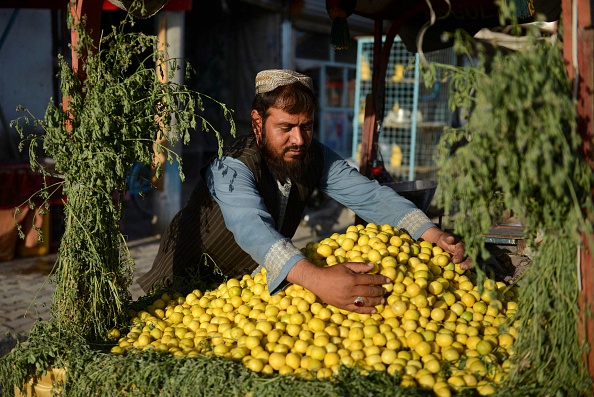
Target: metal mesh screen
414	116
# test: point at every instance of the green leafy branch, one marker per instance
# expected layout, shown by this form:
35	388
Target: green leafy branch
519	151
127	109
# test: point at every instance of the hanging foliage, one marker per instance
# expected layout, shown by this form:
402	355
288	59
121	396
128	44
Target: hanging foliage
519	151
120	114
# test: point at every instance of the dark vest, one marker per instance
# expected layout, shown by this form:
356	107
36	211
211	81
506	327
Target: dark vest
197	239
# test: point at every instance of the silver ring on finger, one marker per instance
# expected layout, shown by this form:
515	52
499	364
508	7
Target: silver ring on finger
359	302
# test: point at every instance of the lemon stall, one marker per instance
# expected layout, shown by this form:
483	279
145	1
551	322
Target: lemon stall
443	331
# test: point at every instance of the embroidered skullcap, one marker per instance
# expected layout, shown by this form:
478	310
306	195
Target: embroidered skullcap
268	80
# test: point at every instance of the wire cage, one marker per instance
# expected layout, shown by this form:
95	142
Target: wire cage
414	115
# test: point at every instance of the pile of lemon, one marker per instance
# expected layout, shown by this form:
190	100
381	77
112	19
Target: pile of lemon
438	329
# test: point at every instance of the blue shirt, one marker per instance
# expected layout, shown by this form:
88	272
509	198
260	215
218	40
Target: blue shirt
255	231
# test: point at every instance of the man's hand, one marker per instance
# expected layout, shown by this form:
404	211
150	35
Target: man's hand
450	244
341	284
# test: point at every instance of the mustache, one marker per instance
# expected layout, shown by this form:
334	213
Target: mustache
294	147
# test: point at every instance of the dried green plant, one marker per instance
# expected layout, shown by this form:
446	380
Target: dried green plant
520	151
121	113
92	370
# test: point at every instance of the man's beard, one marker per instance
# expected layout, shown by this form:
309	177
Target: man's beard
281	169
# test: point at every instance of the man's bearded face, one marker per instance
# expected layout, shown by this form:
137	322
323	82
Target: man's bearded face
282	169
285	144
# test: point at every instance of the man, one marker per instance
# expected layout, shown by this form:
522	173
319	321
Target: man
243	213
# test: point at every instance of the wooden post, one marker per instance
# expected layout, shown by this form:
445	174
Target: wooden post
167	197
586	301
90	10
162	70
578	52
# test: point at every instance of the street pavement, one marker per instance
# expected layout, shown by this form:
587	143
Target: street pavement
26	289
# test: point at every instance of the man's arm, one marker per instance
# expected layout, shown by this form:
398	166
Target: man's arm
245	214
381	204
368	199
234	188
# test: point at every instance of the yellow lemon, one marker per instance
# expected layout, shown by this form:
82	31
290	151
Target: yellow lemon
441	260
468	299
324	250
450	354
413	289
435	287
277	360
484	347
349	242
255	365
444	340
423	348
438	314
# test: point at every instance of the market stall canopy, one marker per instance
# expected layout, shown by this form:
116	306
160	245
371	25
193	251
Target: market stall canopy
413	16
142	9
151	6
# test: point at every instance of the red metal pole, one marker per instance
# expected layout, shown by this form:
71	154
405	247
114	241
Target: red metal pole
578	52
368	136
374	103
